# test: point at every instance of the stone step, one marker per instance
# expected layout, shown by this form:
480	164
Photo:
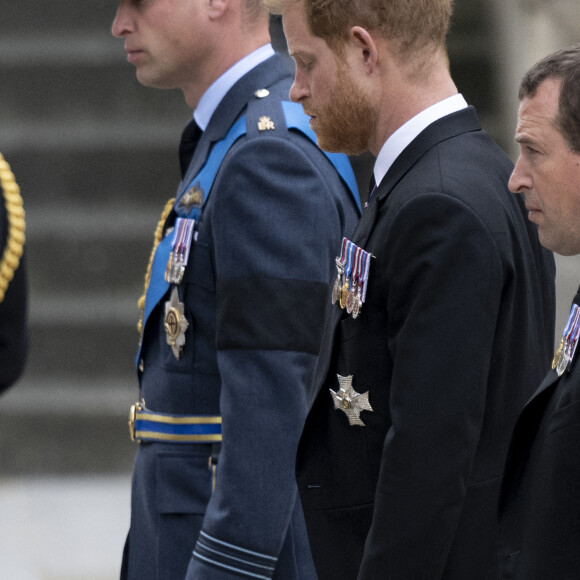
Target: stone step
105	92
98	250
29	17
124	168
82	336
64	427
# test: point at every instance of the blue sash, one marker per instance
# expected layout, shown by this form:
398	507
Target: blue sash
295	119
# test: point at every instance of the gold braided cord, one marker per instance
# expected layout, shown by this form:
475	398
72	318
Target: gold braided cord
16	227
156	241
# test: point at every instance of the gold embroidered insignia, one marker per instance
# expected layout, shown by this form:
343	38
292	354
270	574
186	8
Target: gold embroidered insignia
192	197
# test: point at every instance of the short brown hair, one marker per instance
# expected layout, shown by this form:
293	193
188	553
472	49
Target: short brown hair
413	23
276	6
565	65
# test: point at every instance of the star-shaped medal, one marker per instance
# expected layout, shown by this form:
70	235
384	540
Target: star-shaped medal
348	400
175	323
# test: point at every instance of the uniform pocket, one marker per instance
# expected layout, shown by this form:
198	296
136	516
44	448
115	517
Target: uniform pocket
183	484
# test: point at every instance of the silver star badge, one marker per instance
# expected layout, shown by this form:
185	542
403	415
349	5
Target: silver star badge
175	323
348	400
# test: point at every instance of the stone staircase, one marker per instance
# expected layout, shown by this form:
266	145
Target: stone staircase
95	155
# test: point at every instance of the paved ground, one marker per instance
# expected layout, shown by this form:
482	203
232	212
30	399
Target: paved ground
63	528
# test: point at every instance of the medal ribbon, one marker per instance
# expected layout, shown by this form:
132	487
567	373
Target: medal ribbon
573	332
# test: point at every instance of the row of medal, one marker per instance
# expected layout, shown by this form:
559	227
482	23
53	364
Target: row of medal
350	286
176	323
180	247
565	352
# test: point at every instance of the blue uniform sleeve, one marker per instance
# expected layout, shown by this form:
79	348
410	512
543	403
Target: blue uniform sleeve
277	223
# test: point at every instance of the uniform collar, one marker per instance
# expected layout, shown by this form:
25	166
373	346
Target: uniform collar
216	92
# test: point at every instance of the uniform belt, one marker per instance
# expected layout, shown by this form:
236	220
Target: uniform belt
146	425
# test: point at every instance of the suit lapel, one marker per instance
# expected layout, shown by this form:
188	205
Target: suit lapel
528	424
445	128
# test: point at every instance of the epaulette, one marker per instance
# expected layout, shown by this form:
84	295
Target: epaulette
264	115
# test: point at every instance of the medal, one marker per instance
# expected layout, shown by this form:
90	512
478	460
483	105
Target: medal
350	286
181	246
349	401
175	323
344	292
340	262
564	355
352	302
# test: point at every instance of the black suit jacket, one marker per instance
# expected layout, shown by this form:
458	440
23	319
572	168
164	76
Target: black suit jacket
540	497
457	326
13	315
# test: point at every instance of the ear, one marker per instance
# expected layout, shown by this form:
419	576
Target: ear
364	44
216	8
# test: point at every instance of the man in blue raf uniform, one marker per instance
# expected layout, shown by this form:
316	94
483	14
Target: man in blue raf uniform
443	314
235	301
540	497
13	290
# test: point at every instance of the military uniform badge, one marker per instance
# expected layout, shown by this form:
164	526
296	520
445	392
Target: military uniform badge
193	197
349	401
565	352
350	286
180	248
175	323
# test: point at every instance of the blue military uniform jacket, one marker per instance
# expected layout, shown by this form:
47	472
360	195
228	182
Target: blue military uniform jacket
253	294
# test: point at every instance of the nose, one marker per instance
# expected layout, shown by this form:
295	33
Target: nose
122	24
520	179
298	90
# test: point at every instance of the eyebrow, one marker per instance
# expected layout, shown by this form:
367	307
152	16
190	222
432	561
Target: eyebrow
298	53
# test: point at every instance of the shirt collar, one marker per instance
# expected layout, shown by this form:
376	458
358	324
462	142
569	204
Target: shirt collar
218	89
405	134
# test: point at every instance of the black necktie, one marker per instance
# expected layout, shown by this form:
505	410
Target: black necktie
189	140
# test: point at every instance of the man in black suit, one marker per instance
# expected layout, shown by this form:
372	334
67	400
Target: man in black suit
448	304
13	289
540	497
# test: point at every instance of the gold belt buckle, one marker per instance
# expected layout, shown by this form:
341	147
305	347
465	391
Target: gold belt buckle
132	420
